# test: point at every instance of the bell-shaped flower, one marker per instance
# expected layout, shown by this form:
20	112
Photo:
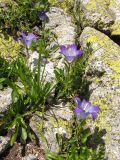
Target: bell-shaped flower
27	39
42	15
70	52
85	109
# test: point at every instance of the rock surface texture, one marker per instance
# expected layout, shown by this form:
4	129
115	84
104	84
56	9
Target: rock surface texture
102	14
104	73
4	143
61	25
56	120
5	99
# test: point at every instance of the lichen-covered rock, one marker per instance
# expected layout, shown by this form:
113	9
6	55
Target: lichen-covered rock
64	4
4	143
102	14
9	48
5	99
115	10
56	120
104	73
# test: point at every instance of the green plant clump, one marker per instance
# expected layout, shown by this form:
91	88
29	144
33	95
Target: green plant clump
21	15
30	89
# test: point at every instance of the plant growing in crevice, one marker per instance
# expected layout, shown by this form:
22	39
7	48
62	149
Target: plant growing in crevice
78	146
70	79
29	92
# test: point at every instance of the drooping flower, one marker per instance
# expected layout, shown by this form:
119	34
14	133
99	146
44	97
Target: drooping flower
70	52
27	39
43	16
85	109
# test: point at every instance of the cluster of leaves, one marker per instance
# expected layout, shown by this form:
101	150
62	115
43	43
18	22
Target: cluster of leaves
6	72
21	15
29	94
78	147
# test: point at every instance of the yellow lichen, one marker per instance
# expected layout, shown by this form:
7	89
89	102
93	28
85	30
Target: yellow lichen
115	28
64	4
9	48
59	123
109	49
99	4
101	120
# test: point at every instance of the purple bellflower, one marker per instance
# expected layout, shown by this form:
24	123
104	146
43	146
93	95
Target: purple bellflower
85	109
43	16
70	52
27	39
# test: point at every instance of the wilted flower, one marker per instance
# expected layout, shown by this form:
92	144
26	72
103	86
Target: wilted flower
27	39
84	109
70	52
43	16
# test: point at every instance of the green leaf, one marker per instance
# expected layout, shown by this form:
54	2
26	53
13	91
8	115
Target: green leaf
86	134
14	136
2	80
30	135
24	134
13	139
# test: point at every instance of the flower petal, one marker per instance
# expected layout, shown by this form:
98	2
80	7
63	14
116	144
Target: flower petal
28	42
87	106
80	113
42	15
22	36
77	100
31	36
83	103
63	49
94	115
72	46
94	109
79	53
69	58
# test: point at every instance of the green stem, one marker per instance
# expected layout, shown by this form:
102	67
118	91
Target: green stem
27	49
39	69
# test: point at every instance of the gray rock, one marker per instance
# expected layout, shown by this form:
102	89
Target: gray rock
4	143
48	71
103	71
56	121
61	25
30	157
33	60
5	99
